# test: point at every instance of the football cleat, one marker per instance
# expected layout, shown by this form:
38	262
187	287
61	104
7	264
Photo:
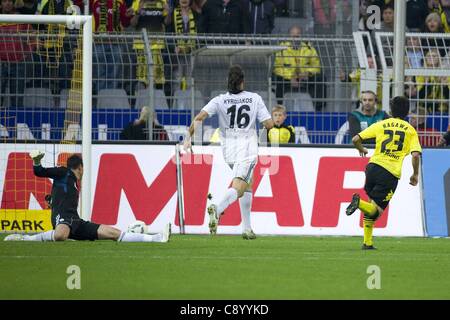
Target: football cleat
353	205
166	233
248	235
213	219
366	247
37	155
14	237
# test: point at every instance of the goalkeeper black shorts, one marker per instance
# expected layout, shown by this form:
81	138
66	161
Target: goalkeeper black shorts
79	228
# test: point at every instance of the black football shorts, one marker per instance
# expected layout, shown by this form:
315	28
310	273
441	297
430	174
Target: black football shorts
79	228
380	184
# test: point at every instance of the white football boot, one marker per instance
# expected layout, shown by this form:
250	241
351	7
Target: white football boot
14	237
249	234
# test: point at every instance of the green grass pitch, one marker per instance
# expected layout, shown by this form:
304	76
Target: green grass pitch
227	267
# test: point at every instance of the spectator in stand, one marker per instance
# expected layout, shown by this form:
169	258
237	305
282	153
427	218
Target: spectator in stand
197	6
26	6
414	53
445	139
280	133
416	13
325	14
366	115
262	16
184	22
434	5
297	68
53	61
138	129
14	54
224	16
428	137
433	24
153	16
445	15
109	16
434	90
386	25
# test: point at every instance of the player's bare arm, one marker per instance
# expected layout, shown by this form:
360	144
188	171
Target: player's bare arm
357	142
416	164
199	118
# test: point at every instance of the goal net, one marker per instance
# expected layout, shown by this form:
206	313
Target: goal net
46	67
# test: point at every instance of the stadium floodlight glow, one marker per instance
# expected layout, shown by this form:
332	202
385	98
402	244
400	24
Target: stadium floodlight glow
74	22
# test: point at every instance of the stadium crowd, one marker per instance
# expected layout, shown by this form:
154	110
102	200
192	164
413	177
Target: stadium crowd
296	69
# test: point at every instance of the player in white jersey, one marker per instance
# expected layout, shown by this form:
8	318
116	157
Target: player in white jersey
238	111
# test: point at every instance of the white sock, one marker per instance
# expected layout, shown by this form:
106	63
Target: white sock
140	237
230	197
43	236
245	203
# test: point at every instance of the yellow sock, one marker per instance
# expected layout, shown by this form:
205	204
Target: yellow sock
368	229
367	207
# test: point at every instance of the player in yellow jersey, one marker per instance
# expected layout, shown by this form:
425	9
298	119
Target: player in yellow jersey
395	138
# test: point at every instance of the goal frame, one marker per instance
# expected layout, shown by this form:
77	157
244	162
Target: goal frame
73	21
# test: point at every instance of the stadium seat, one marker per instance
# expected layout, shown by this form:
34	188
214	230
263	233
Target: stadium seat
23	132
113	99
66	96
102	132
176	133
38	97
208	131
183	99
342	132
298	101
3	132
73	132
143	96
45	131
301	135
265	96
63	98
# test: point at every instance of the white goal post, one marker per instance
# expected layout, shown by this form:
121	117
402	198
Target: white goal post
74	21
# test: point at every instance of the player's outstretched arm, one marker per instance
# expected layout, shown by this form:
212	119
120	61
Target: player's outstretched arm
416	164
199	118
40	171
357	142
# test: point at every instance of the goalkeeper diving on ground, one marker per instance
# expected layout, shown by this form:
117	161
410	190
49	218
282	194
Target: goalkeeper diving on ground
66	222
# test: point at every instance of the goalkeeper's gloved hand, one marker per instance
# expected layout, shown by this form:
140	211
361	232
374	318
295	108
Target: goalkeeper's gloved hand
37	155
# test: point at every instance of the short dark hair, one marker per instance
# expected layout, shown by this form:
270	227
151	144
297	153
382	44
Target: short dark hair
235	78
399	107
370	92
387	6
74	161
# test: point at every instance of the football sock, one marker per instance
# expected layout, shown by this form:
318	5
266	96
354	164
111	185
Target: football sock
367	207
43	236
230	197
139	237
245	203
368	229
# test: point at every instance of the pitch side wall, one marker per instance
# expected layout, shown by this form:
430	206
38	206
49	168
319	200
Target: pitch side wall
297	191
